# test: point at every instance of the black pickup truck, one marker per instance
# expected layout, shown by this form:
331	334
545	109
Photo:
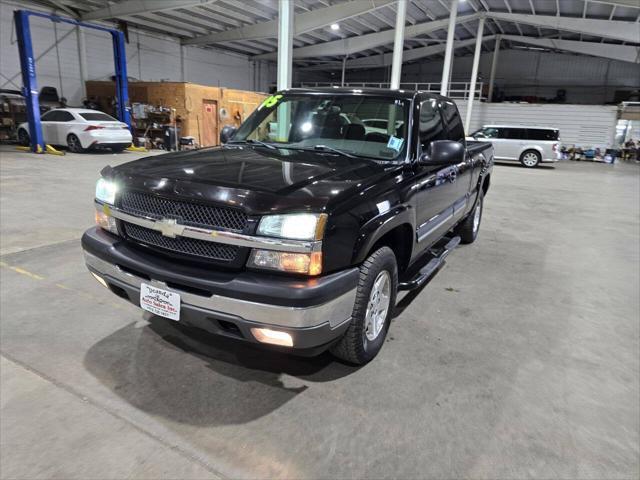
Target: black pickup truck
300	230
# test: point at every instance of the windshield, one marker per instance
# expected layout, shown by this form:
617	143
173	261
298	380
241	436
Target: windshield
330	122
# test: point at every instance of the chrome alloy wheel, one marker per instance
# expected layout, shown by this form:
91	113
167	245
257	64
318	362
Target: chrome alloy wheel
476	216
530	159
378	305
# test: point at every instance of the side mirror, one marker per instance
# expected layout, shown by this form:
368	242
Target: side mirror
227	132
443	152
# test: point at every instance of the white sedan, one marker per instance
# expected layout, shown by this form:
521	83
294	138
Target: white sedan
80	129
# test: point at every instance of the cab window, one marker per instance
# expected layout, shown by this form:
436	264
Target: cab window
430	123
453	121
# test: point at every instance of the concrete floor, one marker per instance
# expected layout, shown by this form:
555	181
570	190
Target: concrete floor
520	359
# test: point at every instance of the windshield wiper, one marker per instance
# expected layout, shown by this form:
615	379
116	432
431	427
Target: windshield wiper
326	148
255	142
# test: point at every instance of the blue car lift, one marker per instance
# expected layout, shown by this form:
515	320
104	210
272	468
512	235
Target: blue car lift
28	66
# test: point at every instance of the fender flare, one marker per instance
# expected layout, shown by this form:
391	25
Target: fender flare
377	227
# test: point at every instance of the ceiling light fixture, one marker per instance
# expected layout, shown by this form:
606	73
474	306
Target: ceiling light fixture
335	26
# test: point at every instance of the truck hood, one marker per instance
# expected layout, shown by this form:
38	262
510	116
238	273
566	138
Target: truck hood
258	179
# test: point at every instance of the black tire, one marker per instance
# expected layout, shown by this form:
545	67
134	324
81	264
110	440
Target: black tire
23	137
355	346
73	143
530	158
468	229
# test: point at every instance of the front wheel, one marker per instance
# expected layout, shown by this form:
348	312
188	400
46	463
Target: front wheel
530	158
73	142
373	308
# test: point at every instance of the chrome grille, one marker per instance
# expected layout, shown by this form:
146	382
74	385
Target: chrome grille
188	246
187	213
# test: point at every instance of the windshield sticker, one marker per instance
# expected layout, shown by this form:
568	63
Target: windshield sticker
271	101
395	143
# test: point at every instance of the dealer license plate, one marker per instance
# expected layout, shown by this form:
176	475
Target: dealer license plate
160	302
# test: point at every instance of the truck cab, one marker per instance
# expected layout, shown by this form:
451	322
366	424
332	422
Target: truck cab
298	232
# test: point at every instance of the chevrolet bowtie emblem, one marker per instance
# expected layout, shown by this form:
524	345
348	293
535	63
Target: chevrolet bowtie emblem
169	227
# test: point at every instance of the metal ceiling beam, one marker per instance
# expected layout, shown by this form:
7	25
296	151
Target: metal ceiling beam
304	22
384	60
625	53
133	7
620	3
619	30
352	45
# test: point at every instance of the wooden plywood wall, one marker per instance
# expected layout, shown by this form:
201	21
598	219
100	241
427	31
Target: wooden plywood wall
191	101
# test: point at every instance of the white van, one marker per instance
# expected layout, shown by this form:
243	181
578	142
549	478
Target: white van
528	145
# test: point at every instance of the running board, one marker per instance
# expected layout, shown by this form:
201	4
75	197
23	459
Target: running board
431	267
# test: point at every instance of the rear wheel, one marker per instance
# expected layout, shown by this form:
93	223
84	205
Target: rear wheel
375	301
468	229
23	137
530	158
73	142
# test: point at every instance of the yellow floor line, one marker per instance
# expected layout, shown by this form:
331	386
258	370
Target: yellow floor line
22	271
62	286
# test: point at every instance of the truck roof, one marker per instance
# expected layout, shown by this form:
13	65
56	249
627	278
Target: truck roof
493	125
376	92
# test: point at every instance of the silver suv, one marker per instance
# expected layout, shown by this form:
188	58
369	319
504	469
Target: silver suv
528	145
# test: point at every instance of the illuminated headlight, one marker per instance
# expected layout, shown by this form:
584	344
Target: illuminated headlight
105	220
106	191
296	226
304	263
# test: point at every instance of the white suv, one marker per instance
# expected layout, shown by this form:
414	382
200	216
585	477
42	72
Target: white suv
528	145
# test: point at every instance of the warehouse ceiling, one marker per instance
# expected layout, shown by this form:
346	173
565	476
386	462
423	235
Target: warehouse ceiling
365	27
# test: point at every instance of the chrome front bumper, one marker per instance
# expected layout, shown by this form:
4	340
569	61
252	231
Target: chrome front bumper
333	313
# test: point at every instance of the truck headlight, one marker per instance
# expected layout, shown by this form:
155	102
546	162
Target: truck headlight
106	191
295	226
304	263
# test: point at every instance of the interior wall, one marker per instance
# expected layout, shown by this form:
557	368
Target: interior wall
588	80
149	58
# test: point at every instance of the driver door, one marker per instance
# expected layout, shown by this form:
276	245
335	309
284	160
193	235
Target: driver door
435	185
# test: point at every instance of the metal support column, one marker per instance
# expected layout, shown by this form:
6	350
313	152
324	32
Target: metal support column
494	66
474	73
344	67
29	83
398	44
82	57
122	85
285	43
183	63
448	54
285	63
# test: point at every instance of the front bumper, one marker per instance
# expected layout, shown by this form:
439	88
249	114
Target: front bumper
315	312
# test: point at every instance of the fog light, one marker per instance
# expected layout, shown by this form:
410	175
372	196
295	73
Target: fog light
274	337
100	279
